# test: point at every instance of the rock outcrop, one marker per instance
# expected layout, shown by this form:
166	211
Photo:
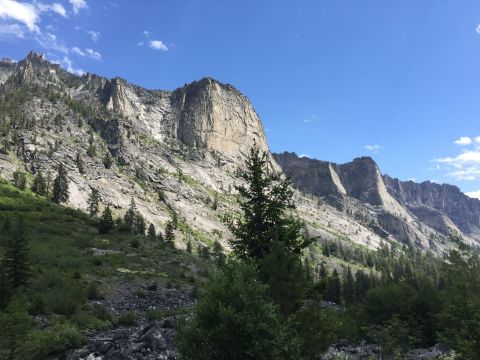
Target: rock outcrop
406	210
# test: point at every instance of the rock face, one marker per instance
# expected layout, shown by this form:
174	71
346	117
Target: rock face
436	204
403	209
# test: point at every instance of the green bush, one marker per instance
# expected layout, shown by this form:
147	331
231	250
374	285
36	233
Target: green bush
128	318
42	343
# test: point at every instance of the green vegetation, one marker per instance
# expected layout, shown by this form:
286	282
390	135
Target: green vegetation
51	269
396	297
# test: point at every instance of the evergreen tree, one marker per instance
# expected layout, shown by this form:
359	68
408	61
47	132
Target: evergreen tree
160	238
79	162
108	160
139	225
189	246
39	185
169	234
60	186
349	287
218	254
15	326
334	288
49	182
284	274
93	202
234	320
265	202
152	234
362	284
20	179
129	218
106	221
15	263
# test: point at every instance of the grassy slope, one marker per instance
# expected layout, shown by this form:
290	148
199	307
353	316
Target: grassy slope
66	272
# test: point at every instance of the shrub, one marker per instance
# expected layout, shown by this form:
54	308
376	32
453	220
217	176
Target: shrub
128	318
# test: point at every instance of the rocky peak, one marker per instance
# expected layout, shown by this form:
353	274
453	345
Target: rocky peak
218	117
446	199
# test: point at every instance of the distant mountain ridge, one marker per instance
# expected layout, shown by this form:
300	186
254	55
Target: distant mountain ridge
441	207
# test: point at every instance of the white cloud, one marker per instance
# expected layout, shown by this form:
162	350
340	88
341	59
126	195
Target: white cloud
11	30
51	42
158	45
469	156
478	29
373	148
304	156
23	13
78	5
464	140
94	35
464	166
89	53
67	64
55	7
474	194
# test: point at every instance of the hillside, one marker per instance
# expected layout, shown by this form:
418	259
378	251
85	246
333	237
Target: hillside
88	286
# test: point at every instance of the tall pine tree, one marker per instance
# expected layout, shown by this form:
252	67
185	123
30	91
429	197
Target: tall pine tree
60	186
39	185
266	203
93	202
15	263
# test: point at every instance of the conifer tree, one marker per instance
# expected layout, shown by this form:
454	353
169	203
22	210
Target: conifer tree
152	234
139	225
39	185
169	234
15	326
79	162
129	218
60	186
349	287
189	246
106	221
15	263
265	202
20	179
93	202
334	289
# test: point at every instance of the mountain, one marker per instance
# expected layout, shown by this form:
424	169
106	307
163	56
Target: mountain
181	151
406	210
178	154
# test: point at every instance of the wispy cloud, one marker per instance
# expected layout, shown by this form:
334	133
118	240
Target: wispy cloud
55	7
89	53
373	148
464	140
478	29
464	166
67	63
311	118
94	35
78	5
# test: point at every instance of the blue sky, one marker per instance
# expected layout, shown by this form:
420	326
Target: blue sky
332	79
